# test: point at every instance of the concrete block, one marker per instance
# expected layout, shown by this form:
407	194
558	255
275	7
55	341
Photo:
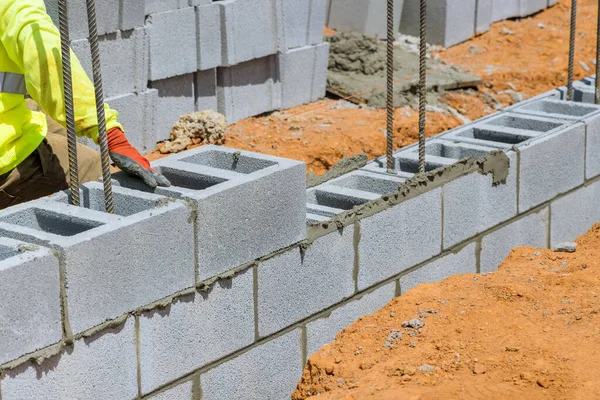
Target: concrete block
244	377
399	238
552	2
248	204
324	330
175	98
472	204
584	90
303	74
126	255
206	90
132	14
179	392
303	22
172	43
528	7
158	6
531	230
99	367
483	15
208	19
297	284
136	114
107	17
505	9
250	30
551	165
449	21
366	16
574	214
30	317
249	88
124	61
368	182
461	262
196	330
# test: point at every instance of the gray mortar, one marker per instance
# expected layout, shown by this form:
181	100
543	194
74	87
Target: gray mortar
342	167
357	63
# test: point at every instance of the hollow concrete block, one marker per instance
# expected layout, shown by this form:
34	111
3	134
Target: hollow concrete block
449	21
574	214
297	283
250	30
244	376
30	316
99	367
247	204
462	261
249	88
196	330
531	230
175	98
303	74
208	19
303	22
126	255
364	16
172	43
323	330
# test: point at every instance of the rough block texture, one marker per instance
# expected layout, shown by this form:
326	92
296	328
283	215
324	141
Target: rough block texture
293	285
100	367
157	6
206	90
250	30
172	43
196	330
249	88
124	61
132	14
324	330
303	74
389	245
107	17
551	165
531	230
243	378
473	204
449	21
179	392
139	274
208	19
574	214
175	98
462	262
365	16
30	317
303	22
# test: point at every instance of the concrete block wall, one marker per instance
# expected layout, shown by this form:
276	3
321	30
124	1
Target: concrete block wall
164	58
224	284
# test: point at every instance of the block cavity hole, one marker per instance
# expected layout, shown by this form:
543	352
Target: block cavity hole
229	161
50	222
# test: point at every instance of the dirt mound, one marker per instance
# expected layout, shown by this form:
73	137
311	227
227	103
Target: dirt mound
528	331
201	127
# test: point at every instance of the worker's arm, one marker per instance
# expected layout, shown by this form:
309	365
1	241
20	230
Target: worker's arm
32	42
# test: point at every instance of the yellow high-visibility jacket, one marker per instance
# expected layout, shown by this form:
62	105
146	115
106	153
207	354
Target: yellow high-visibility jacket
30	46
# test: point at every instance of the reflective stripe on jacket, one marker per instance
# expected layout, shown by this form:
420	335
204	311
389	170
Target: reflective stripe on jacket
30	46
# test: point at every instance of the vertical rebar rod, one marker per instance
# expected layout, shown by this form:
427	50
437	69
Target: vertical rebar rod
597	96
573	31
65	49
97	73
422	83
390	84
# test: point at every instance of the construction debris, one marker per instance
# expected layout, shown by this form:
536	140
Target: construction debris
202	127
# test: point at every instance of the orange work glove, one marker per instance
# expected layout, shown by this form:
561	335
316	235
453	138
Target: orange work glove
129	160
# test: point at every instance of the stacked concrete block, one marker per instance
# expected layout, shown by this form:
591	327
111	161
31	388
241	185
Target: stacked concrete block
99	367
107	17
574	214
316	277
505	9
196	330
528	7
132	14
302	22
324	330
89	244
249	88
30	315
365	16
462	261
484	10
531	230
208	20
303	73
205	85
158	6
269	371
179	392
175	98
247	204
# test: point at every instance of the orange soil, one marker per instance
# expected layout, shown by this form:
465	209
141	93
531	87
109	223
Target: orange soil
531	59
529	331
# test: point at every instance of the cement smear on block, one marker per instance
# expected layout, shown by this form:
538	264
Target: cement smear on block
357	64
342	167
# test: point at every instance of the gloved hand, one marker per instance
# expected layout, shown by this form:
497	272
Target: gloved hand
129	160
